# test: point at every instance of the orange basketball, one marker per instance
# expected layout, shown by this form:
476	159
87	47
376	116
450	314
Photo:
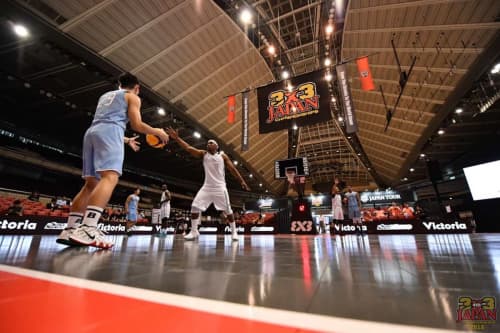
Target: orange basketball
154	141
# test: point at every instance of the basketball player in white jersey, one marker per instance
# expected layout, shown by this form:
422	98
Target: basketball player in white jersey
103	154
214	188
337	212
166	196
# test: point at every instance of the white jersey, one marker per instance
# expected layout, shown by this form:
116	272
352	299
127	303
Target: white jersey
164	196
215	176
337	212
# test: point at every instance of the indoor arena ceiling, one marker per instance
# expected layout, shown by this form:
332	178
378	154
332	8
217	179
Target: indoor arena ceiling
191	54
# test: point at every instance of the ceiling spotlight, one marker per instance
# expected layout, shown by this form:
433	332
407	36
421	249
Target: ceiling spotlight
197	134
441	132
422	155
161	111
271	49
454	121
334	99
235	162
260	184
341	119
329	29
295	127
289	87
459	110
405	179
328	77
285	75
250	175
495	69
411	169
359	154
328	61
246	16
21	30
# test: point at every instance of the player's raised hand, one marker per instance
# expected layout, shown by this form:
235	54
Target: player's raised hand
174	134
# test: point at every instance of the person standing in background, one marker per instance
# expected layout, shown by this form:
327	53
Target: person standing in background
131	209
164	208
337	212
354	209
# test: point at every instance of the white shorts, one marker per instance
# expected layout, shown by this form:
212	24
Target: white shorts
218	196
165	210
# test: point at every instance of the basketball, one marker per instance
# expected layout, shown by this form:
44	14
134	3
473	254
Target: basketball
154	141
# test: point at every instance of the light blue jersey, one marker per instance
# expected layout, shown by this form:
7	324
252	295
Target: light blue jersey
132	208
352	205
103	148
112	108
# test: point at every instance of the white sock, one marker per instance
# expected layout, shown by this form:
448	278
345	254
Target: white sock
74	219
92	216
233	227
194	224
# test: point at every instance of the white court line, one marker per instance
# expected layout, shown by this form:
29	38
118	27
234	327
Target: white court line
265	315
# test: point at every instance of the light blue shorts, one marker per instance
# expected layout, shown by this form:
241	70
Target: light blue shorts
103	150
354	212
132	216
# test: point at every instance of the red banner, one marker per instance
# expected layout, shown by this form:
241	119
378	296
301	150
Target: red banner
365	75
231	109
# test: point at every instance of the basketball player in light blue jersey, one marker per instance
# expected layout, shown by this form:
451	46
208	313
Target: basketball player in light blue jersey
354	209
214	188
102	155
131	207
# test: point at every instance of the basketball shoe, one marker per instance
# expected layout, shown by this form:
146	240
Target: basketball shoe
194	234
91	236
64	237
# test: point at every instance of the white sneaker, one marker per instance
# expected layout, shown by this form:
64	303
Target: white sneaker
64	237
91	236
234	237
192	235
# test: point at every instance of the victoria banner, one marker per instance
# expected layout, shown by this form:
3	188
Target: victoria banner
304	101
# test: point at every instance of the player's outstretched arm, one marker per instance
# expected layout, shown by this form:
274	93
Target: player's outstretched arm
134	115
235	172
174	134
